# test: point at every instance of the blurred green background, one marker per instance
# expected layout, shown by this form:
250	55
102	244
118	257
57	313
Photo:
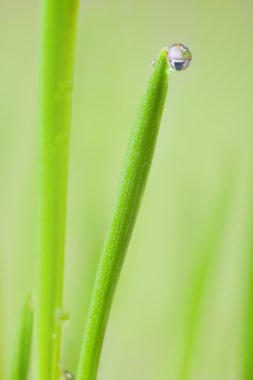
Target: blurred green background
179	309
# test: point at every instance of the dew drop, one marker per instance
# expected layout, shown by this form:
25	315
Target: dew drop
61	316
179	57
66	375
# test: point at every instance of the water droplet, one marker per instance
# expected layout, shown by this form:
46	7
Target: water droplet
61	316
66	375
179	57
153	62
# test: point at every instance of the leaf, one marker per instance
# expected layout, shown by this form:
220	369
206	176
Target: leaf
135	173
22	345
58	19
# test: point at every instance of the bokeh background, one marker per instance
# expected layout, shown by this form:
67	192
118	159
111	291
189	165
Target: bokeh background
184	294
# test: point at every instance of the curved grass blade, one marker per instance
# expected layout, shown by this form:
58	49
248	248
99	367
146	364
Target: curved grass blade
22	345
137	164
56	72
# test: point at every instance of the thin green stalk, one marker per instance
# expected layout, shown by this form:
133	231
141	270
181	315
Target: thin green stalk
208	253
19	364
138	160
246	354
247	333
58	40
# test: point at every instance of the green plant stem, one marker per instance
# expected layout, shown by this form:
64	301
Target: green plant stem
22	345
207	249
58	38
135	173
246	354
247	361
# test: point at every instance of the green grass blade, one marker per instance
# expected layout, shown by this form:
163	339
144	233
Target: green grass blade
135	174
247	330
246	349
58	37
207	249
19	364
